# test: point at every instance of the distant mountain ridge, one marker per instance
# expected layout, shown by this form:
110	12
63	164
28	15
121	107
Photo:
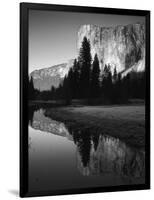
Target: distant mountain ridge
45	78
122	47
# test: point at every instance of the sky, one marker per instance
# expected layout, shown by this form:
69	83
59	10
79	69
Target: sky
53	35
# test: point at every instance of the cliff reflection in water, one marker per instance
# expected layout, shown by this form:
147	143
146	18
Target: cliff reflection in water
97	154
111	156
42	123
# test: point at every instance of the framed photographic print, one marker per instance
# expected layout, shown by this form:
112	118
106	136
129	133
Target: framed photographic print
84	99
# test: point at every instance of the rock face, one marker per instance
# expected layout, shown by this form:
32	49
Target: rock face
122	47
45	78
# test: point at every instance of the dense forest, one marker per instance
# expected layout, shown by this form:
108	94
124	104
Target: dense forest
86	82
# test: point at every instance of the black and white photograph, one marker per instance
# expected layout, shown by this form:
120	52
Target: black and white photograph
86	100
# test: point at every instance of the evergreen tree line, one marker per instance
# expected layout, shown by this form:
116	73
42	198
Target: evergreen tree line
86	81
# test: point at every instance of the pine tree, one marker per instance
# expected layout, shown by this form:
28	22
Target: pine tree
114	91
107	86
119	88
52	93
115	75
70	80
75	80
126	88
95	74
67	89
85	67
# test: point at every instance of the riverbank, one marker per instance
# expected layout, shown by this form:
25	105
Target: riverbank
126	122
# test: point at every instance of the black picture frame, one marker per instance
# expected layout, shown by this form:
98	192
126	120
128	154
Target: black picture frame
24	9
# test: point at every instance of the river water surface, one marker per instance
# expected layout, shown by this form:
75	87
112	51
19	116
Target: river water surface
60	158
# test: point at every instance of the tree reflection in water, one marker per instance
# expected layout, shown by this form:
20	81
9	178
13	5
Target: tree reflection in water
96	153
